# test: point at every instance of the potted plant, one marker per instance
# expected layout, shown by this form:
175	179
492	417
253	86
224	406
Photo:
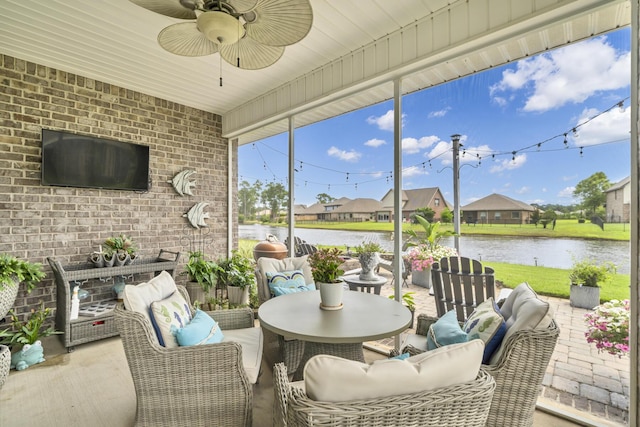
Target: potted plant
202	275
425	250
608	327
409	302
325	266
368	253
237	273
14	271
24	337
122	248
586	278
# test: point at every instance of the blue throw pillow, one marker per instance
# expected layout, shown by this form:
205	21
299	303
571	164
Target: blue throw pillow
280	281
446	331
277	290
486	323
201	330
403	356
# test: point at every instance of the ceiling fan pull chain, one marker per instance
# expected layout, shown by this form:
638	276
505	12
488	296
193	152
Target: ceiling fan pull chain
220	70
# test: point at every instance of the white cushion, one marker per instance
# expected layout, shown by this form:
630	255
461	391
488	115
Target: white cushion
523	310
334	379
139	297
250	339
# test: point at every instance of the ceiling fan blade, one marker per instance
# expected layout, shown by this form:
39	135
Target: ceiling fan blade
253	55
185	39
242	6
280	22
183	9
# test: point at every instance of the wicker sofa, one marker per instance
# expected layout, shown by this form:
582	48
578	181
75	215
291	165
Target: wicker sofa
519	364
461	405
199	385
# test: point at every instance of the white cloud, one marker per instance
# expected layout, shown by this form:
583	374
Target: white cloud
566	193
614	125
413	171
439	113
523	190
384	122
375	142
509	164
347	156
442	152
567	75
413	145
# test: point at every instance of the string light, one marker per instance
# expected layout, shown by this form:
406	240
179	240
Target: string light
580	151
347	176
566	143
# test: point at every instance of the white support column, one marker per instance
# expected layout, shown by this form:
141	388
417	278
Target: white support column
290	216
456	191
397	194
634	322
230	175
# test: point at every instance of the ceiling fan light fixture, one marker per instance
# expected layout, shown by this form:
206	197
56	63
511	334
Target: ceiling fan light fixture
220	27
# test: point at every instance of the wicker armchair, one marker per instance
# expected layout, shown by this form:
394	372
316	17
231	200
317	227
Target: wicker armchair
201	385
518	372
461	405
277	348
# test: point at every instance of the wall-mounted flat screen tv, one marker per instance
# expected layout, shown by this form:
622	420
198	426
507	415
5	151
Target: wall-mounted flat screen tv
71	160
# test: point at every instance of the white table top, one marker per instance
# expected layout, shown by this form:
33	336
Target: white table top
365	317
355	279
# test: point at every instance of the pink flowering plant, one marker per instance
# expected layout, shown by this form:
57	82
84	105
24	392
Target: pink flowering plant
426	249
608	327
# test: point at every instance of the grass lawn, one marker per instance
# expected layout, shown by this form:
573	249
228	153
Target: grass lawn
544	280
564	228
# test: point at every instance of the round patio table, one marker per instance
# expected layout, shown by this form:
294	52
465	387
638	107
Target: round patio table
357	284
364	317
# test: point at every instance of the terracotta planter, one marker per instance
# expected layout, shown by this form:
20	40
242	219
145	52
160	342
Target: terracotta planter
331	295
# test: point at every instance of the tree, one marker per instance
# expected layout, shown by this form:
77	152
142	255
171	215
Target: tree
426	212
446	216
248	196
591	192
324	198
275	196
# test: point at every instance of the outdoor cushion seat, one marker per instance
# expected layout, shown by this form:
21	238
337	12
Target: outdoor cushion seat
207	384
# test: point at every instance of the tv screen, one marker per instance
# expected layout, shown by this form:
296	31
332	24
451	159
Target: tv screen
71	160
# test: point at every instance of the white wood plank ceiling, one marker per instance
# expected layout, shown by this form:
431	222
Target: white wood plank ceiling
347	61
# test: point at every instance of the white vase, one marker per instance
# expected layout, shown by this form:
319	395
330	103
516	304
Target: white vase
331	295
421	278
237	295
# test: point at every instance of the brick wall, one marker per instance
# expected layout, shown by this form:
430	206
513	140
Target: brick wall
38	221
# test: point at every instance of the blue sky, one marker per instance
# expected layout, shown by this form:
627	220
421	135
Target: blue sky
526	106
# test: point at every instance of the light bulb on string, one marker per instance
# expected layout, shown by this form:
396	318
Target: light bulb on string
423	166
621	106
566	143
430	166
539	145
347	176
264	165
513	157
300	164
580	151
575	132
356	185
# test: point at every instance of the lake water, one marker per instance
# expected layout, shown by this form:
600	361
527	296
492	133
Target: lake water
546	252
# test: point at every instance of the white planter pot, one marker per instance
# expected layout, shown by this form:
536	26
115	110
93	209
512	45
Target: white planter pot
8	296
331	295
238	296
421	278
584	296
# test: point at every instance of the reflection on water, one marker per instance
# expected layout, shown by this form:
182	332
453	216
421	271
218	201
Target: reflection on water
546	252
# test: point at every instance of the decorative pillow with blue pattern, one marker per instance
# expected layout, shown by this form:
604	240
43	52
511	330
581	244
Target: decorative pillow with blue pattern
287	282
446	331
201	330
167	315
486	322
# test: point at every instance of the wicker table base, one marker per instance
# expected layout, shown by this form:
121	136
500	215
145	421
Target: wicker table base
351	351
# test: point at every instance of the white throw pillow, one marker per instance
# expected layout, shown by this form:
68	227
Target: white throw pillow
139	297
334	379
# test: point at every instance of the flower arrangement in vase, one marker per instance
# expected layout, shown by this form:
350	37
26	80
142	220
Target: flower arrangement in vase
325	267
608	327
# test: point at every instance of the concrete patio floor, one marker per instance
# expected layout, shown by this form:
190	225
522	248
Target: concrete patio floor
93	386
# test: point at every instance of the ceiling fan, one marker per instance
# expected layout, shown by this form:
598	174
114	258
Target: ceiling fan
249	34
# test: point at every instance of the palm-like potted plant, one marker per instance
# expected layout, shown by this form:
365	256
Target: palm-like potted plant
426	249
369	256
325	266
237	273
586	277
409	302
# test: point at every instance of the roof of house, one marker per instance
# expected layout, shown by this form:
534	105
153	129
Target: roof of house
416	198
619	185
319	208
360	205
497	202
